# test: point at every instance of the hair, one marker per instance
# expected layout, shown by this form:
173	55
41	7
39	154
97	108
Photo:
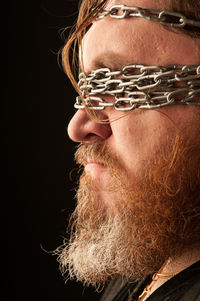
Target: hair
89	9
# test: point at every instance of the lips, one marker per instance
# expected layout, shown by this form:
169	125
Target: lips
91	161
94	167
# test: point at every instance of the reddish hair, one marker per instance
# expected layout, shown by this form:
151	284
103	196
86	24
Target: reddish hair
89	9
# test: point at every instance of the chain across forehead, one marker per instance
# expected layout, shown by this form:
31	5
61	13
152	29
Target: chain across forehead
168	18
139	86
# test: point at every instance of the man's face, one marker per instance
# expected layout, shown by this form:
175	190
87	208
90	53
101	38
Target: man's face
141	134
133	165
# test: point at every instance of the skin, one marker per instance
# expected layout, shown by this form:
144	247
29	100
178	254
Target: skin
174	267
142	134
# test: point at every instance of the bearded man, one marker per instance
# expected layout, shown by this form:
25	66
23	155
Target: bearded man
136	225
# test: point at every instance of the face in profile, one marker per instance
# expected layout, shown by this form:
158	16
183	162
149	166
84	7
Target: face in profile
141	171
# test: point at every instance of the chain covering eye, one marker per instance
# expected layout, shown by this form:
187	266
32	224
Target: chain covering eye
139	86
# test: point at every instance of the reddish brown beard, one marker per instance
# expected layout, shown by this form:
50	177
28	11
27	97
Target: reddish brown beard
157	215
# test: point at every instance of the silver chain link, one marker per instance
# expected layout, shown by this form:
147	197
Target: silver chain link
168	18
140	86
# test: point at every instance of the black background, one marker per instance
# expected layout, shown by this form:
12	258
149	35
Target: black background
37	155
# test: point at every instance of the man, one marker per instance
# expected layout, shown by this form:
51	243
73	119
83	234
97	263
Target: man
136	224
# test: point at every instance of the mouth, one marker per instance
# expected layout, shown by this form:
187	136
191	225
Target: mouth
94	167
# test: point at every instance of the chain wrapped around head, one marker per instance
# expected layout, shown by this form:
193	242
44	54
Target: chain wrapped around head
139	86
168	18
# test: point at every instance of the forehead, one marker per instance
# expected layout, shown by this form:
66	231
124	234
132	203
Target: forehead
114	43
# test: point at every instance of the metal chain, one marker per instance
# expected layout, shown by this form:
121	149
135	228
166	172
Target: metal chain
140	86
167	18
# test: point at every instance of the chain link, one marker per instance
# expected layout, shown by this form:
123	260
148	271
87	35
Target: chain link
172	19
139	86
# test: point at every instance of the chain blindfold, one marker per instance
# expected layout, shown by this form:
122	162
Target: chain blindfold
139	86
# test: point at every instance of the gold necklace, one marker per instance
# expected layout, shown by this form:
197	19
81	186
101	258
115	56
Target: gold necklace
147	291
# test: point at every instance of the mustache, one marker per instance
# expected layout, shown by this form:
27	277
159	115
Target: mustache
92	152
97	152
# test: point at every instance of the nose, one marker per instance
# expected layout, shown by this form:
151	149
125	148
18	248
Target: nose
83	128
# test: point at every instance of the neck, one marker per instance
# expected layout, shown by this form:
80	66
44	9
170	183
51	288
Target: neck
170	268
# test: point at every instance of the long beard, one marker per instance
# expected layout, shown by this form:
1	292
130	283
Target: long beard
156	215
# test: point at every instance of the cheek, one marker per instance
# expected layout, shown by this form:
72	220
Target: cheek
140	136
133	136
